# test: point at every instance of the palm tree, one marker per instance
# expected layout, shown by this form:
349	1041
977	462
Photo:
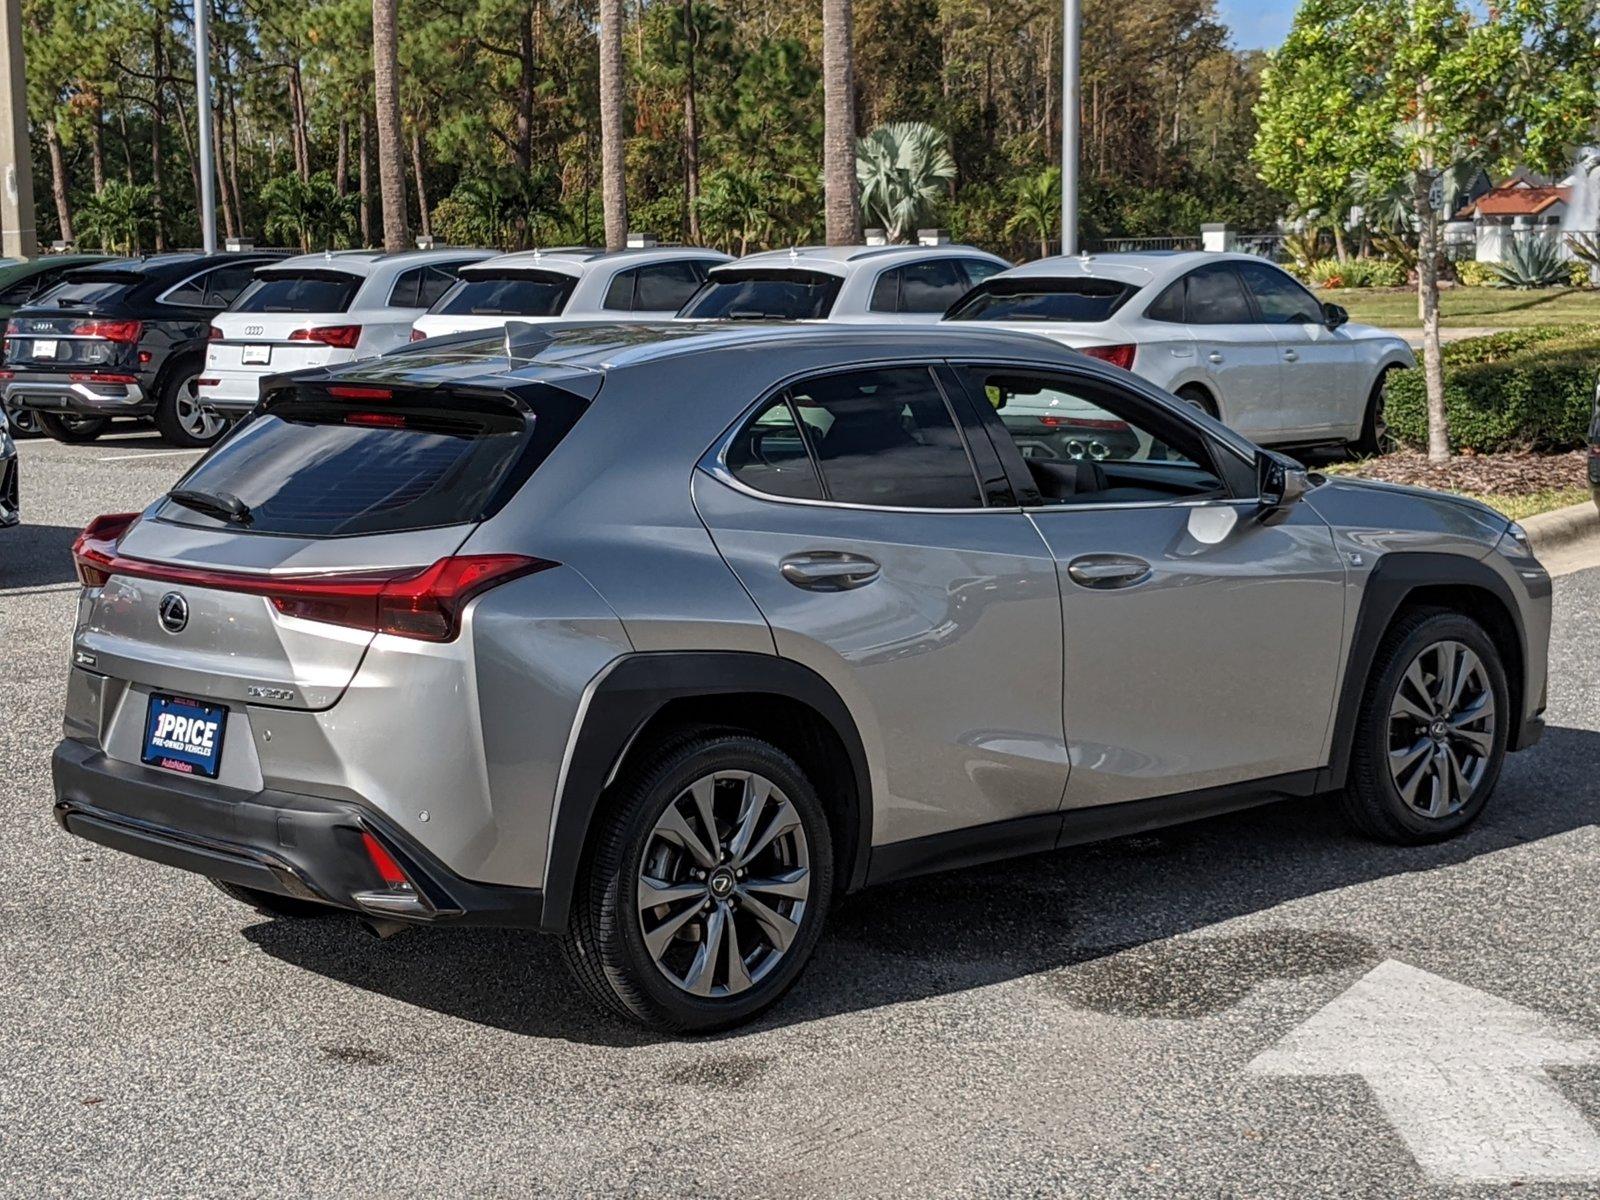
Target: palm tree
1038	206
841	206
613	178
309	211
119	216
903	167
386	82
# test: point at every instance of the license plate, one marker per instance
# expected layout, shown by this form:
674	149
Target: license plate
45	348
254	355
184	735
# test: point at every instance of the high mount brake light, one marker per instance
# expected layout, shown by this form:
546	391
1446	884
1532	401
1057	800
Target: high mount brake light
344	337
122	332
1117	356
424	604
377	420
95	549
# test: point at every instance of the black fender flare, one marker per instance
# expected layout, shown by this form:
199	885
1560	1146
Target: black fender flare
1395	577
622	703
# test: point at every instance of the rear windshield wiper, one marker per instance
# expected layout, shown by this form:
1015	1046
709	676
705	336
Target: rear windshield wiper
225	506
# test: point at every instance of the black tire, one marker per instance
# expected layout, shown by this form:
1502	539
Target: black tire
72	430
175	415
605	942
269	904
24	423
1374	437
1191	393
1372	799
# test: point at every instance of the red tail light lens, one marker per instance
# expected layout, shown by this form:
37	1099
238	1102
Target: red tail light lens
376	420
92	377
5	375
344	337
425	604
418	336
95	549
347	392
215	335
1117	356
123	332
390	871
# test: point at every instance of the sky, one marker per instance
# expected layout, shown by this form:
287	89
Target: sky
1257	24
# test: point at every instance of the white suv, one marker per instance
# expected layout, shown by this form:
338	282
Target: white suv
319	310
572	283
1232	334
867	284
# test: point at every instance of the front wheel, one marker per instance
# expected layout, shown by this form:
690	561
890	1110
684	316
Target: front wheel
72	429
180	418
1374	437
1431	736
706	890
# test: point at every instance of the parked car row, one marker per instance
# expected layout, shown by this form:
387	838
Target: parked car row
190	339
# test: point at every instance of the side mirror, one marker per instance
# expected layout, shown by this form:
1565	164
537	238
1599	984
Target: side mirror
1335	315
1280	482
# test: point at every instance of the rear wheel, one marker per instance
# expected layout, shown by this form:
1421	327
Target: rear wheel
24	422
72	429
707	888
1374	437
1431	737
270	904
1197	396
180	418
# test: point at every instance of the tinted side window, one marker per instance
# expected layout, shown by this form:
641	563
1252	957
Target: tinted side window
770	455
665	287
406	289
435	282
886	437
1281	300
190	291
1216	297
19	293
619	295
1168	306
221	287
931	287
979	269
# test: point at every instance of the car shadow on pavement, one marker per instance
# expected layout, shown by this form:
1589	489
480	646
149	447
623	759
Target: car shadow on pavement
36	556
1091	922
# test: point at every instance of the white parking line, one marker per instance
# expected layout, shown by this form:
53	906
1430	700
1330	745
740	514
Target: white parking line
144	454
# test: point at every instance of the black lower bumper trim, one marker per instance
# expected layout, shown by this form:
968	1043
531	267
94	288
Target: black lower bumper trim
285	843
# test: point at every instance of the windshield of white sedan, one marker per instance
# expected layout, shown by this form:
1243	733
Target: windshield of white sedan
532	294
765	295
1082	300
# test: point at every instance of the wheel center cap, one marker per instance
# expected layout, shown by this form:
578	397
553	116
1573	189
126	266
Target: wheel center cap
721	883
1439	730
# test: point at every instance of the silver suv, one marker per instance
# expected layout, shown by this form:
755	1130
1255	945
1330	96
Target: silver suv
661	637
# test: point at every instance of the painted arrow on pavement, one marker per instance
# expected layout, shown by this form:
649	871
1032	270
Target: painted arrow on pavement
1458	1072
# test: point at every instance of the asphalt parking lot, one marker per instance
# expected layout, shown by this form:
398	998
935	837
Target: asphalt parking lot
1257	1005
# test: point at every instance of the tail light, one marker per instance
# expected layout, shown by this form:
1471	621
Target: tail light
418	336
207	382
1117	356
343	337
7	376
425	604
95	549
346	391
215	335
123	332
1081	423
92	377
383	862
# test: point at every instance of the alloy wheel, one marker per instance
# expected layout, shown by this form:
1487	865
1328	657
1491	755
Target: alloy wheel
723	883
24	421
196	420
1441	729
1380	416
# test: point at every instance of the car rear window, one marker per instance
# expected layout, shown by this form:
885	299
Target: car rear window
764	295
327	292
81	291
525	294
312	466
1080	300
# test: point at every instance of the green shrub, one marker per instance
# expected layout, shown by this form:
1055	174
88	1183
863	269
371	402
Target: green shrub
1356	273
1577	273
1474	273
1524	389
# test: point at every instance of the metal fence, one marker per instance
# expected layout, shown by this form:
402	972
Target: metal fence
1136	245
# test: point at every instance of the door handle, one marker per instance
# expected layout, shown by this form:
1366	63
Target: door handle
828	570
1291	356
1214	356
1107	571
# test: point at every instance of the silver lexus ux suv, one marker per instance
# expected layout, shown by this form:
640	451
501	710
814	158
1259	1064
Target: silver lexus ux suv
660	638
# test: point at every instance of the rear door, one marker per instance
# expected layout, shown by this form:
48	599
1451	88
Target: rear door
853	512
1238	352
1322	383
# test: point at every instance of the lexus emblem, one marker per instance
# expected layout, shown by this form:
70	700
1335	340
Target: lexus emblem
174	612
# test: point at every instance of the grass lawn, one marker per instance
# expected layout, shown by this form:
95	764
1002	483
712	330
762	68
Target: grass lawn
1466	307
1518	507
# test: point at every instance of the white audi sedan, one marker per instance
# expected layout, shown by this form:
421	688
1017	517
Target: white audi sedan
1232	334
858	284
320	310
574	283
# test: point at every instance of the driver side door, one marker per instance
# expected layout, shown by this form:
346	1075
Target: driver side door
1201	647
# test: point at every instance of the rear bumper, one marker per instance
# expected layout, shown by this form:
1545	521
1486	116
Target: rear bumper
234	393
58	394
308	847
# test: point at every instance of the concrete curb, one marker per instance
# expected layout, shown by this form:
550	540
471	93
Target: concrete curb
1559	529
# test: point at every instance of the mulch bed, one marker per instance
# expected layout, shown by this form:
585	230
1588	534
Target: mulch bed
1518	474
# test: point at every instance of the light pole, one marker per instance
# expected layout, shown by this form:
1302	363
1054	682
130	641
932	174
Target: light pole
18	238
202	87
1070	51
